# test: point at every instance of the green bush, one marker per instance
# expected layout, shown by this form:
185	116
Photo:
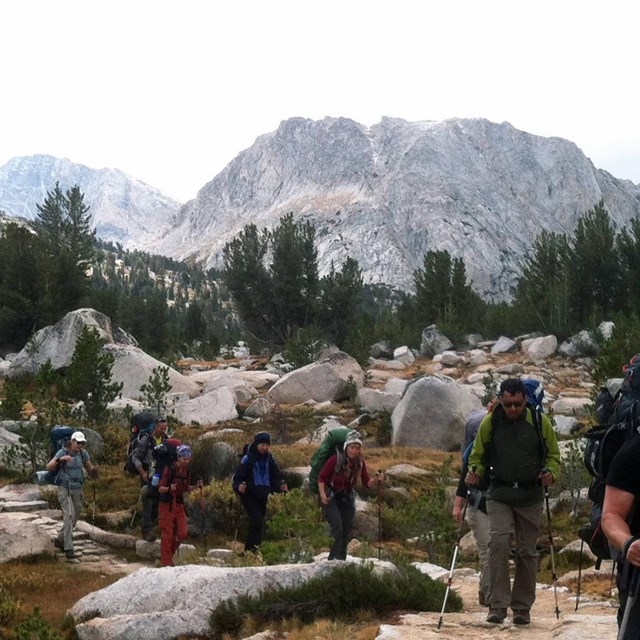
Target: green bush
348	591
35	627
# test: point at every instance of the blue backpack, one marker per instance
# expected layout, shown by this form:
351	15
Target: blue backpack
58	439
535	393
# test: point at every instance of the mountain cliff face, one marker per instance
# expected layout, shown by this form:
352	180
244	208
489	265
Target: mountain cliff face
124	210
386	194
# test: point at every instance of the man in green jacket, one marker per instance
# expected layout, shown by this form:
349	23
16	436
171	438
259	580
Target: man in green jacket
517	447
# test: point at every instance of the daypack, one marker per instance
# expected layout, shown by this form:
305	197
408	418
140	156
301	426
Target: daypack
333	443
58	439
141	424
603	442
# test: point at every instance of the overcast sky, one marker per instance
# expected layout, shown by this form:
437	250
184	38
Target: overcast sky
170	92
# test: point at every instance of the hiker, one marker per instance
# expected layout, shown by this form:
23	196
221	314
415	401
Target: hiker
519	446
255	478
172	518
336	489
621	524
142	458
476	513
71	460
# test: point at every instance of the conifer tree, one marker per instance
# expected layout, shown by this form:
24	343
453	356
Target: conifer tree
63	225
89	375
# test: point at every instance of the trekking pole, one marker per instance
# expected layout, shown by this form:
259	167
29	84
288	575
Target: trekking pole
93	512
455	551
579	575
204	526
135	511
630	602
379	515
553	559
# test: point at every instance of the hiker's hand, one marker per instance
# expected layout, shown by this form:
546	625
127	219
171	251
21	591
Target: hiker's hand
242	487
324	498
173	488
94	472
283	487
379	477
199	484
457	509
546	478
471	478
65	458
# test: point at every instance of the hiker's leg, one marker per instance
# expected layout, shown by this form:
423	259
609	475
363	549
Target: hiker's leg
180	517
76	499
255	510
165	522
500	527
68	515
527	529
148	503
479	522
154	498
348	512
333	516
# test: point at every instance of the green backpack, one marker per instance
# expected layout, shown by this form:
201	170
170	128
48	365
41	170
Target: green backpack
332	443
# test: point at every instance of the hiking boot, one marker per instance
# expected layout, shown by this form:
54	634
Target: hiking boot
497	616
149	537
521	616
71	555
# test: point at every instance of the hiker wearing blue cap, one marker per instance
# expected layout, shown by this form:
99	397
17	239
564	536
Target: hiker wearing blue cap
257	476
172	519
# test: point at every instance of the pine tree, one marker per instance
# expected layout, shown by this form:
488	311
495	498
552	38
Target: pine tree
88	378
63	225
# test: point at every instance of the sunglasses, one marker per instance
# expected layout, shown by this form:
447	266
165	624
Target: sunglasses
513	405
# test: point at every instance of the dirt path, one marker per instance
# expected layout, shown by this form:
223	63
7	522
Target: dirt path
594	620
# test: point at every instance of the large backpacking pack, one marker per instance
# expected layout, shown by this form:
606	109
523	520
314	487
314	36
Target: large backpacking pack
59	436
333	443
142	423
603	442
164	455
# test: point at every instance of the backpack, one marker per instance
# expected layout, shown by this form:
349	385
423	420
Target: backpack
141	423
603	442
58	439
164	454
606	398
535	393
333	443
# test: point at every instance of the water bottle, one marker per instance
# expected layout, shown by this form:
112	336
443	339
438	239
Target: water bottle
155	479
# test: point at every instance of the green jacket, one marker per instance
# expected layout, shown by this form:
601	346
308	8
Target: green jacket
483	437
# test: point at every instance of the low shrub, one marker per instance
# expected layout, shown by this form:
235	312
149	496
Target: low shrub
346	593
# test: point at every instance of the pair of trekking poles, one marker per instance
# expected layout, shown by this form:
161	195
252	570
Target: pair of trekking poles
457	548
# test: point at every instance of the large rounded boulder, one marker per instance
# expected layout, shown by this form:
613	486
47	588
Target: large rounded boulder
432	413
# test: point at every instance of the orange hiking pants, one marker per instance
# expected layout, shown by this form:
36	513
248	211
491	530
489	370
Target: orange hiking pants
172	521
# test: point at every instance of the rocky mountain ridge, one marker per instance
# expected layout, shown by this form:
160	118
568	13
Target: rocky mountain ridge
124	209
386	194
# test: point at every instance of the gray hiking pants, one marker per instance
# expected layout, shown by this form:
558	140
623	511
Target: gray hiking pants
71	504
339	513
479	522
525	523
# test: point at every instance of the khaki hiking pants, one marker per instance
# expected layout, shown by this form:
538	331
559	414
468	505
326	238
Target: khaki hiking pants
479	523
525	523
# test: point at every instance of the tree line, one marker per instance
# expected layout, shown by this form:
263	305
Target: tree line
270	291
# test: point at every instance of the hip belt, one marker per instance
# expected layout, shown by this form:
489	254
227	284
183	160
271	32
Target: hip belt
528	484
